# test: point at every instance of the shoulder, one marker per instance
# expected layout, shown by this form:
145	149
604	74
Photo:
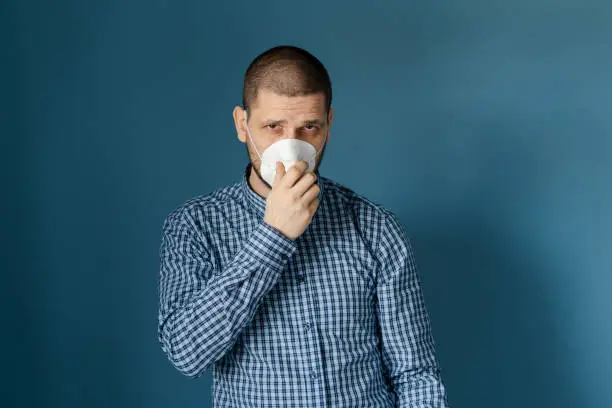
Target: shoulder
362	206
372	218
198	209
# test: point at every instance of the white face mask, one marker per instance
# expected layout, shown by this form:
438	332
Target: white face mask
288	151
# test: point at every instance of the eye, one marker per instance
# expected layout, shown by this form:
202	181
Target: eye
310	126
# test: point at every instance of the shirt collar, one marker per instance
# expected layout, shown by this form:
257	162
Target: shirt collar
255	202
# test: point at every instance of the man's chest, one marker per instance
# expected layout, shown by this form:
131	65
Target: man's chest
325	294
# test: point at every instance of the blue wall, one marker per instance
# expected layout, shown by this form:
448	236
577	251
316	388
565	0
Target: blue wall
485	125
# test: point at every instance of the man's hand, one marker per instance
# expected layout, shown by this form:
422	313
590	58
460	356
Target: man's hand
293	200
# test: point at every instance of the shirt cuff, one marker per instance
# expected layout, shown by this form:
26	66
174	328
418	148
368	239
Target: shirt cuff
268	247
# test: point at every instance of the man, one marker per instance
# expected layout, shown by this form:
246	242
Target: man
294	289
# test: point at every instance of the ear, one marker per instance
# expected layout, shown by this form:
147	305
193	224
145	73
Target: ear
330	119
239	116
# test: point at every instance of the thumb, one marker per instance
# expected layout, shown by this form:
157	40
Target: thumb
280	172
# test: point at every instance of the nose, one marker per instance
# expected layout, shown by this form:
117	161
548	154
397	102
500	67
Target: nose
290	134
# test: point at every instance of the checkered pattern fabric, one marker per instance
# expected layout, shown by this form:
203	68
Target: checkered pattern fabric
334	318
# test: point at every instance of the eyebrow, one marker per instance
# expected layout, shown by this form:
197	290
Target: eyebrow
284	122
314	122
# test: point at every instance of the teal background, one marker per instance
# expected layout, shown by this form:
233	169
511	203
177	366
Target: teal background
485	125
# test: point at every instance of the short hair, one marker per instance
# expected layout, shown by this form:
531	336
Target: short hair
286	70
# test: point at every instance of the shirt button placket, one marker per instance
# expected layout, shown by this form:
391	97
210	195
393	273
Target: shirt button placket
308	325
314	374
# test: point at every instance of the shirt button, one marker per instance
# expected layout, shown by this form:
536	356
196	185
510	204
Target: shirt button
307	325
314	375
300	278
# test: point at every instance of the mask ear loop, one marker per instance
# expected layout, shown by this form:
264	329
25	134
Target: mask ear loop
249	133
253	142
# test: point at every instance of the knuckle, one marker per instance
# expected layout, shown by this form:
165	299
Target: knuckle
294	197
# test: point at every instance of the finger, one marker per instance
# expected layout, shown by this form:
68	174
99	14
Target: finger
278	175
314	204
294	173
310	194
304	183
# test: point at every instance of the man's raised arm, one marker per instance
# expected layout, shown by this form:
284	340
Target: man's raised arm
202	311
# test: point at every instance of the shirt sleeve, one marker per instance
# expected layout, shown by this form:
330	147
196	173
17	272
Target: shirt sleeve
407	344
203	310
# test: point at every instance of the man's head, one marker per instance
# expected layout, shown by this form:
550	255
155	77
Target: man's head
286	94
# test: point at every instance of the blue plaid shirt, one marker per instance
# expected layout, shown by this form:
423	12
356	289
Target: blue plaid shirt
334	318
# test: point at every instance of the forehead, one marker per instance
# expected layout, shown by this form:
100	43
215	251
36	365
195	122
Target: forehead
269	102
